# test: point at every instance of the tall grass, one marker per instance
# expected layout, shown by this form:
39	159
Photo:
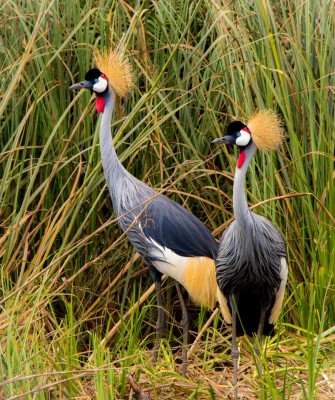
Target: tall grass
71	321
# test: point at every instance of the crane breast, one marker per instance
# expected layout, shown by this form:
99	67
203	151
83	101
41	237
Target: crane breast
251	256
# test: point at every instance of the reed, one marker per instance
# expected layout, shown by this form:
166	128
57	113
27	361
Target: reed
68	274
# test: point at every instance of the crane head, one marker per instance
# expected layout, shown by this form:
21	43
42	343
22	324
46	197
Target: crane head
95	81
237	134
264	128
112	72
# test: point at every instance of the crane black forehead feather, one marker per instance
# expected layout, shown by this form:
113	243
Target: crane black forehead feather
234	127
92	74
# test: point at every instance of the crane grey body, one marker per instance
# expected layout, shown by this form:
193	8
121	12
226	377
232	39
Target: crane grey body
249	264
170	239
151	220
251	267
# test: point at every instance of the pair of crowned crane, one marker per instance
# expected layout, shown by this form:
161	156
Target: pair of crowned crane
246	274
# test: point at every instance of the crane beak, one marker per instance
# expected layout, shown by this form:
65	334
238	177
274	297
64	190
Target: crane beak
82	85
218	141
224	140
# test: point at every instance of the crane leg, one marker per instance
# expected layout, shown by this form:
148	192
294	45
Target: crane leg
258	341
235	352
185	323
160	325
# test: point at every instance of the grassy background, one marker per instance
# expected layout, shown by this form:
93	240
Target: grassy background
68	275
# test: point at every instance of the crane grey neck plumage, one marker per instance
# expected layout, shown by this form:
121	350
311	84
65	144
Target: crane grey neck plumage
125	190
241	209
110	162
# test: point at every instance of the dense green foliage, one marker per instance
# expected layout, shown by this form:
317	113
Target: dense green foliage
68	274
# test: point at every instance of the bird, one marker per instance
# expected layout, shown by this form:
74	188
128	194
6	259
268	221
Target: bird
251	266
169	238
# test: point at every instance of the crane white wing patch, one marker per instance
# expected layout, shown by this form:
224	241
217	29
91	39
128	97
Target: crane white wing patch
280	294
223	306
196	274
168	262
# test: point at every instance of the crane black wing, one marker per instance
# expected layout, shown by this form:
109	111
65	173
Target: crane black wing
173	227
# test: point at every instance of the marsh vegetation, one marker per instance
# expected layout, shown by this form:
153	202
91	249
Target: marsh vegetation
77	305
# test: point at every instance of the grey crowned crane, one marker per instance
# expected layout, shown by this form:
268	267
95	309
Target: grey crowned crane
251	267
169	238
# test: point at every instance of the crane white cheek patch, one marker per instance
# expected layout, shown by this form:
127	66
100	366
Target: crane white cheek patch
101	85
244	139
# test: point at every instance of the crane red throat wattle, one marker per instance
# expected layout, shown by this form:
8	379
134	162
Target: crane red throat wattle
100	104
241	159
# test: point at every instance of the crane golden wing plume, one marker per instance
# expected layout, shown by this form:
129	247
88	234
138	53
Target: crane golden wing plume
117	70
266	129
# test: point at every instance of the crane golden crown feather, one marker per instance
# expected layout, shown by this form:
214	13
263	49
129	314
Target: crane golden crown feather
266	129
118	71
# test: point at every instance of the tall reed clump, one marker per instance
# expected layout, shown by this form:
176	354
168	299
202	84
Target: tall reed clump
68	275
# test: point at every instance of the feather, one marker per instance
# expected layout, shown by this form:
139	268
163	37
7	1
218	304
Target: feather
174	227
117	70
266	129
254	271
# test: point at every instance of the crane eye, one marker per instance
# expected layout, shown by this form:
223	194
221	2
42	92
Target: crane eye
238	134
96	80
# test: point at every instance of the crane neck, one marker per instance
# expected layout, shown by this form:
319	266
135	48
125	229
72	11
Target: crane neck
110	163
105	125
241	209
